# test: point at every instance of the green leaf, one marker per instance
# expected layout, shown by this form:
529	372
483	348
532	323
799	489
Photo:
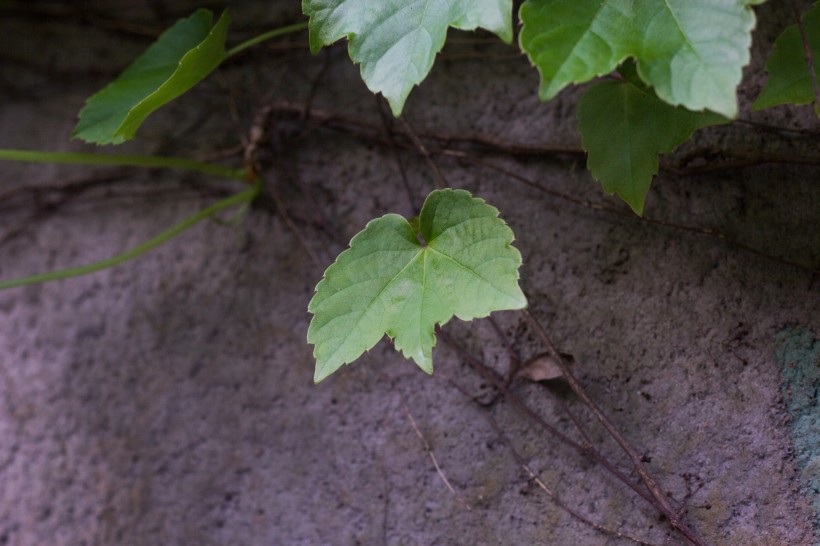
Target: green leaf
691	51
389	282
623	129
396	41
789	76
182	57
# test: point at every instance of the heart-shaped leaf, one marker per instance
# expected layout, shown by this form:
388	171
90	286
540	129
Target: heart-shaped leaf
180	58
388	282
691	51
396	41
624	127
789	77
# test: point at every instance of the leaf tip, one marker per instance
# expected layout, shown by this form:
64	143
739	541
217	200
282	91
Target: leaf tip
396	104
522	302
317	377
323	371
635	204
425	363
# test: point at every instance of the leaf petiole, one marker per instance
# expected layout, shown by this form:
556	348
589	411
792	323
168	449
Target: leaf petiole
148	162
241	198
266	36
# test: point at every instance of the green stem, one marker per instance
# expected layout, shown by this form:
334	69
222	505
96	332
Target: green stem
266	36
150	162
239	198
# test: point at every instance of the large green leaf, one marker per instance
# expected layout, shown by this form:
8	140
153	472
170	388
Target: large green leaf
691	51
396	41
789	77
180	58
624	127
390	282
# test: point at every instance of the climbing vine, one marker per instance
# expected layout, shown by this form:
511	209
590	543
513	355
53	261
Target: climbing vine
655	73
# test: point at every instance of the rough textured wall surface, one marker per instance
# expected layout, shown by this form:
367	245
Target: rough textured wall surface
170	400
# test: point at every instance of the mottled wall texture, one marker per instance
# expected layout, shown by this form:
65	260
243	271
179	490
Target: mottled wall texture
170	400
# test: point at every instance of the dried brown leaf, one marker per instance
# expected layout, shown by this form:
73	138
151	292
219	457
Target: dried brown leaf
541	367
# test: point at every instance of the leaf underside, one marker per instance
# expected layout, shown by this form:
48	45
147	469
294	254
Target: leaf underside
690	51
624	127
789	76
180	58
396	41
387	282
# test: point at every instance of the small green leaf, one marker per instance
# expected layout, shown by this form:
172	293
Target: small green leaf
691	51
180	58
789	77
396	41
389	282
624	128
